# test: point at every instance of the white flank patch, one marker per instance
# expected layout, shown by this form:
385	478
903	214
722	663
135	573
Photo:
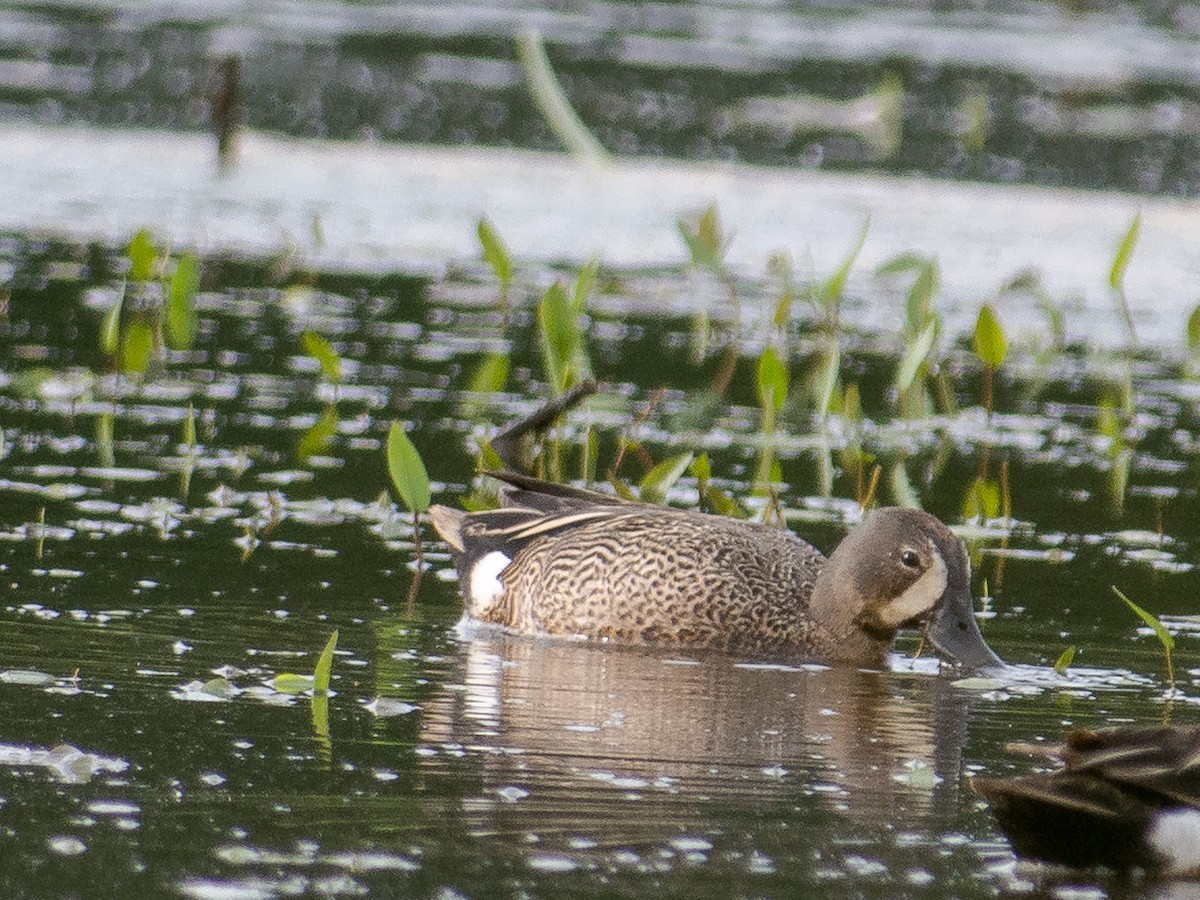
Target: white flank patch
486	587
1175	836
918	599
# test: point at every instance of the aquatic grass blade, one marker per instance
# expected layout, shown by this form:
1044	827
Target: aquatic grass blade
407	470
918	306
835	285
318	438
324	669
585	283
772	382
110	326
495	252
137	346
915	354
1064	660
559	330
1193	331
491	375
1116	274
991	345
181	303
1164	636
551	100
659	480
321	350
827	379
1150	619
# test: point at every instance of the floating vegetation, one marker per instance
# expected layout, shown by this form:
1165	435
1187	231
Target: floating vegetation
1160	631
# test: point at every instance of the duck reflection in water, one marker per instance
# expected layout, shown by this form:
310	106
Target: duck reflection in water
582	725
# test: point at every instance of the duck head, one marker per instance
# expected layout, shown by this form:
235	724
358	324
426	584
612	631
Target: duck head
902	568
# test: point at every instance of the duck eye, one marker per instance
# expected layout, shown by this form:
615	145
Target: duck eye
910	559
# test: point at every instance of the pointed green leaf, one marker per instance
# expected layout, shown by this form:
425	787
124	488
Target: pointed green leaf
1116	275
319	437
1164	636
1064	660
495	253
659	480
701	469
136	348
321	350
1193	330
559	328
491	375
142	255
110	327
321	674
904	262
188	437
835	284
827	378
772	381
919	305
407	470
585	283
991	346
181	303
915	354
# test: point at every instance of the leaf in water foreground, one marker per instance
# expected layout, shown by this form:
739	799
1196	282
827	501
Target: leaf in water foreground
321	350
1164	636
659	480
1064	660
324	667
495	253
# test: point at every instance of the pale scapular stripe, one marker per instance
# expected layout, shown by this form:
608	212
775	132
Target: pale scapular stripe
544	524
920	597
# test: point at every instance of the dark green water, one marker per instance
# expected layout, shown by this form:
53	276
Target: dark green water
458	764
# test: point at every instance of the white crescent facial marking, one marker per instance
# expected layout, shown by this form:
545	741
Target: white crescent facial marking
485	587
920	597
1175	836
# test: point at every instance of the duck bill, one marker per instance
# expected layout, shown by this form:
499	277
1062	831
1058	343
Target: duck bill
955	634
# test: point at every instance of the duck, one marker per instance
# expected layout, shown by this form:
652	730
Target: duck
1125	798
563	561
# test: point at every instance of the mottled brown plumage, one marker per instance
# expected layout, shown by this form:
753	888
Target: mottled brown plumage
561	561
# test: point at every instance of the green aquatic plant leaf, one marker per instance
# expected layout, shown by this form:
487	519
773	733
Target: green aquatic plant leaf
1064	660
142	256
137	347
918	306
901	263
825	383
490	375
324	669
705	240
322	351
835	285
1193	330
772	382
1164	636
319	437
495	253
982	500
560	338
291	683
1116	274
991	346
659	480
181	303
914	355
585	283
551	100
110	326
407	470
188	434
